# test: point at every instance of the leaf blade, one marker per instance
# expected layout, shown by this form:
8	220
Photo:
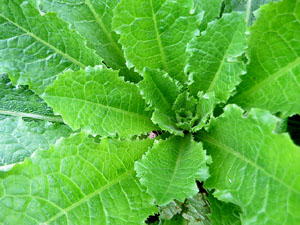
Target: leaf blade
262	157
107	105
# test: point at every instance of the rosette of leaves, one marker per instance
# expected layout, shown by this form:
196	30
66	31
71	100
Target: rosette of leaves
84	83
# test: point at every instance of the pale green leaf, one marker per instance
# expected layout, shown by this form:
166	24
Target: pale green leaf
92	19
254	167
77	181
34	48
20	139
100	102
215	64
272	81
211	10
169	170
223	213
154	33
160	92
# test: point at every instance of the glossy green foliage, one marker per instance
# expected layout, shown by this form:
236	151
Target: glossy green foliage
85	85
75	183
261	175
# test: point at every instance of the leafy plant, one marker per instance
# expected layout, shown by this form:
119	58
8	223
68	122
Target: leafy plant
85	82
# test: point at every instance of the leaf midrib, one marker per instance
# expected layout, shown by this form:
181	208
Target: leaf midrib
91	195
162	53
213	82
101	105
32	115
211	140
101	24
73	60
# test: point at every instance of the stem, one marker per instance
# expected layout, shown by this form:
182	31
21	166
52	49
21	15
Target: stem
248	11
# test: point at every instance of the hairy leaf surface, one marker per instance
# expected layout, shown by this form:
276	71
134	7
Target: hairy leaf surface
92	19
273	74
170	168
215	65
77	181
99	101
254	167
34	48
154	33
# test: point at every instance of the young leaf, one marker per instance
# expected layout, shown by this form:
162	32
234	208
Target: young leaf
77	181
19	138
99	101
254	167
92	19
155	33
170	168
35	48
214	65
211	10
160	92
273	74
223	213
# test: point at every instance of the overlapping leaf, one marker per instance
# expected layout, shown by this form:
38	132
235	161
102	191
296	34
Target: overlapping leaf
211	10
254	167
214	65
19	138
77	181
92	19
155	33
160	92
99	101
34	48
170	168
273	74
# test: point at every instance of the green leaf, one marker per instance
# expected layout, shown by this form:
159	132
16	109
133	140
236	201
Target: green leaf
92	19
100	102
160	92
211	10
223	213
154	33
19	101
20	139
35	48
273	78
254	167
215	64
77	181
170	168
